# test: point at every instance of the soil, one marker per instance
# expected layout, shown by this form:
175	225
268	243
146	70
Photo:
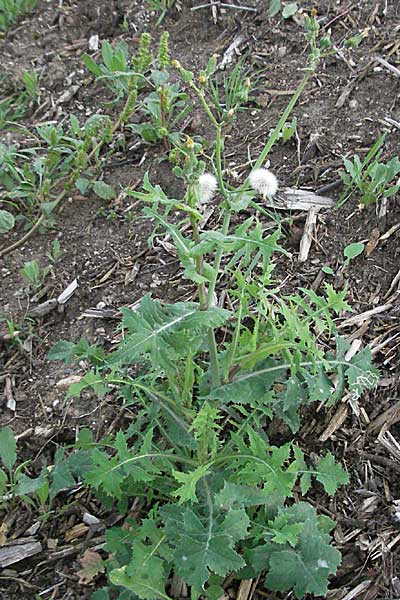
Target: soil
104	245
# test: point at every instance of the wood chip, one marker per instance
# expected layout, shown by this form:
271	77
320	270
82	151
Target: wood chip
16	552
309	229
359	589
68	292
67	381
337	421
232	50
77	531
358	319
293	199
244	592
372	241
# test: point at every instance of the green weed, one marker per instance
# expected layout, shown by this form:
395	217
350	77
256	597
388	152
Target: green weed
370	179
12	10
15	107
216	494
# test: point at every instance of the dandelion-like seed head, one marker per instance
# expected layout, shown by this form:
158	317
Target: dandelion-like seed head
264	182
208	186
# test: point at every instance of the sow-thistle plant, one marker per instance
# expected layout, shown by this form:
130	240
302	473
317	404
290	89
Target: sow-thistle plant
217	496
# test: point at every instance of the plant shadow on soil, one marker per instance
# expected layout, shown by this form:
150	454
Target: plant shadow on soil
105	246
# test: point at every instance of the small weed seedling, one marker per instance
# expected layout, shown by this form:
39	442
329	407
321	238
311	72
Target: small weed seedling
14	482
15	106
162	7
34	275
352	251
12	10
288	10
371	180
217	497
67	156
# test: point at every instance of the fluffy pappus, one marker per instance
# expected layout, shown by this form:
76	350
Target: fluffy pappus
208	186
264	182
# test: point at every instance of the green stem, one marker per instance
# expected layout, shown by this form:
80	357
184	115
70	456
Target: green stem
280	125
204	305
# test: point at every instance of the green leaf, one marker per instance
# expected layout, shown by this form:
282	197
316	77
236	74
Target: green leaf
331	474
164	332
249	384
328	270
27	485
274	7
91	65
305	568
336	299
101	594
187	491
289	10
3	481
204	544
92	380
284	531
103	190
62	350
361	374
82	184
353	250
144	575
8	448
7	221
234	495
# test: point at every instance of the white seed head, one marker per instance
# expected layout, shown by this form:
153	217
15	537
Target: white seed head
208	186
264	182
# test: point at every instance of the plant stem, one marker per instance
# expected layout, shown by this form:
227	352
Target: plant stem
204	305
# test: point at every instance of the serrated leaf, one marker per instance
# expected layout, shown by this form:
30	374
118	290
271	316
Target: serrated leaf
8	448
331	474
234	495
305	568
164	332
247	385
361	374
336	300
284	531
103	190
187	491
144	575
204	544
